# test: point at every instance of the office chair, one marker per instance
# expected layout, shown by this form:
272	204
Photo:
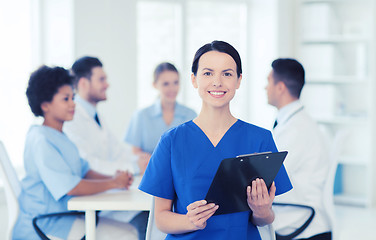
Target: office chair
12	189
153	233
327	191
299	230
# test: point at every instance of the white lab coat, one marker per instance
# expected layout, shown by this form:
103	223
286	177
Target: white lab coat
307	165
104	152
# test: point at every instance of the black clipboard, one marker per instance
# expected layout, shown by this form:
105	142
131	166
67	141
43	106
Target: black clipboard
229	186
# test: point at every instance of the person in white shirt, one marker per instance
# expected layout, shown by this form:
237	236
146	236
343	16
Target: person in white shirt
95	142
307	162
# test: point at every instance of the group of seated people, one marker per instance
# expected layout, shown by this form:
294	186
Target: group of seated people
73	153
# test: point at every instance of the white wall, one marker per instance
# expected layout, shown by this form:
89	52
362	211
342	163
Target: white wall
54	27
286	29
107	30
262	51
15	67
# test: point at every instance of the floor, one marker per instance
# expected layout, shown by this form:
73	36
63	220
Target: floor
353	223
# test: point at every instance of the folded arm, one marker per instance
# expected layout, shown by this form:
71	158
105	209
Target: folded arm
95	182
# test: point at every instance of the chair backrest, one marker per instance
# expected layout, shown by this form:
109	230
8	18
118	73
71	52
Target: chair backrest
12	188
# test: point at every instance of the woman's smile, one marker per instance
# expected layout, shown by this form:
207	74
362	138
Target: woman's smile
217	94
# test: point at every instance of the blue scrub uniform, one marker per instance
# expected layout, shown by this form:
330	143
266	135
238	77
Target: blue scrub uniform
53	168
147	125
184	163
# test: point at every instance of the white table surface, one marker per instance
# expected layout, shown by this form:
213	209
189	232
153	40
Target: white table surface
122	200
112	200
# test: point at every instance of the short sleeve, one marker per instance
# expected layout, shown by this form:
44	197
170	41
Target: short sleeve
85	167
282	181
158	179
133	135
55	173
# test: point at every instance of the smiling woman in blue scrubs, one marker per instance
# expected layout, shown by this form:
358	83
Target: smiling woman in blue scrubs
54	170
185	161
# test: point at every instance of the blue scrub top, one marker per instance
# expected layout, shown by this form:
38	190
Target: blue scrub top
184	163
147	125
53	168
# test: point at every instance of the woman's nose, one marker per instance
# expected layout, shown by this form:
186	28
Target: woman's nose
217	82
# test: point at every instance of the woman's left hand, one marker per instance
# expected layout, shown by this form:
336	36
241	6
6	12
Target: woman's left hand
260	200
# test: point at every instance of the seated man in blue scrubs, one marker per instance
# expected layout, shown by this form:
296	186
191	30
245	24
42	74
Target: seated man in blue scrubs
185	161
54	170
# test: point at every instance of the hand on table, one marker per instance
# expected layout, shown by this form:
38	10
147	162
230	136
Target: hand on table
123	179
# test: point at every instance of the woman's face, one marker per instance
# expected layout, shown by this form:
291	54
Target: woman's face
216	78
61	108
168	85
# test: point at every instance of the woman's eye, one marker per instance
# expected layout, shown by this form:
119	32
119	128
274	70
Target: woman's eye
66	99
165	84
207	73
227	74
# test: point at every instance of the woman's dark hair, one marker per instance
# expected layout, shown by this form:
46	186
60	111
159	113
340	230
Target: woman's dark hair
165	66
218	46
291	73
82	67
44	84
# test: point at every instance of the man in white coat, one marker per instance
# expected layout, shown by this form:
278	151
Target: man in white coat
95	142
307	162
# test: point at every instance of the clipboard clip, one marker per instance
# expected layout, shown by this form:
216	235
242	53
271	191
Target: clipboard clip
251	154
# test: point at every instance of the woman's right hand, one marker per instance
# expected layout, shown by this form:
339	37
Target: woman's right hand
199	212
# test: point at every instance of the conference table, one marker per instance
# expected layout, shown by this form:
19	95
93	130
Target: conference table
112	200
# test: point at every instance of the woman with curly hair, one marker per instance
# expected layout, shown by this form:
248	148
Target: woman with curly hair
54	170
